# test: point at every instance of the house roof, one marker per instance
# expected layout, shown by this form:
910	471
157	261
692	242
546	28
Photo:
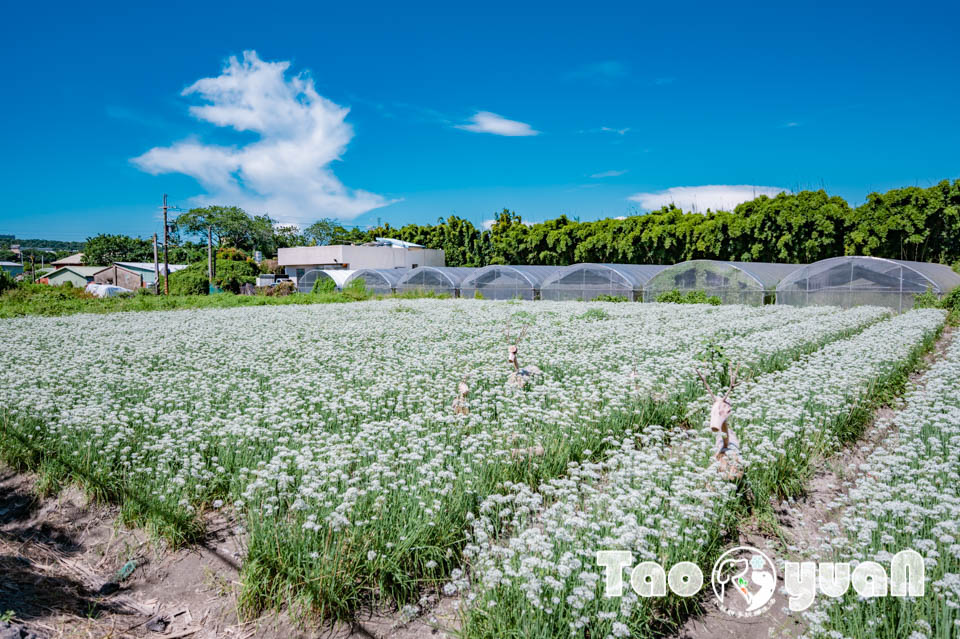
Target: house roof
148	266
10	264
82	271
75	259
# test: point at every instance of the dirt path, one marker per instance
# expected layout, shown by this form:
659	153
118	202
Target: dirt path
799	524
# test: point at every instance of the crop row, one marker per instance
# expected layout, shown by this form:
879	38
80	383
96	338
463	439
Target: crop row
532	553
906	496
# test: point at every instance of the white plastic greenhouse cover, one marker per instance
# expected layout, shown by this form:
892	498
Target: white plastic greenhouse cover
853	280
439	279
588	280
381	281
339	276
752	283
501	282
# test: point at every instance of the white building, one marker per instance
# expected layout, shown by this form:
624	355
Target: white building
382	254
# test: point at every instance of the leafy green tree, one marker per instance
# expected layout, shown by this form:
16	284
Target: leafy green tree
230	226
103	250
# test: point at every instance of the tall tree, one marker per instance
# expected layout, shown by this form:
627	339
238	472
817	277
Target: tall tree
231	227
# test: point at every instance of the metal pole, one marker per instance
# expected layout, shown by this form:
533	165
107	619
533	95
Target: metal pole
166	263
156	268
210	255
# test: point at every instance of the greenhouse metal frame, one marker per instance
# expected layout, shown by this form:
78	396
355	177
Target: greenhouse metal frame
503	282
379	281
750	283
589	281
442	280
854	280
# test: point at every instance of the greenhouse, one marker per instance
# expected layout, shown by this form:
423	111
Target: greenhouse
854	280
379	281
442	280
751	283
499	282
589	281
308	280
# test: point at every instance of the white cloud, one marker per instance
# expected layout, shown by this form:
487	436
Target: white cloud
486	122
488	224
612	130
286	172
715	197
606	174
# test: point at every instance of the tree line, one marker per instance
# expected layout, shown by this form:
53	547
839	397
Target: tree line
912	223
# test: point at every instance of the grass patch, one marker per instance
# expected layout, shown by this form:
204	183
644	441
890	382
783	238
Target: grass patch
51	301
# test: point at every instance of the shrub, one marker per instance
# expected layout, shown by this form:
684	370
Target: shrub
595	314
357	290
927	299
610	298
324	285
189	281
6	281
477	295
691	297
233	270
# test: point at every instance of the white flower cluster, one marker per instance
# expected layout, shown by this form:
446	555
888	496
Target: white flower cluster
906	496
658	495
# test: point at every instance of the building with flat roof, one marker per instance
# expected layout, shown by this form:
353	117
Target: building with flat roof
383	254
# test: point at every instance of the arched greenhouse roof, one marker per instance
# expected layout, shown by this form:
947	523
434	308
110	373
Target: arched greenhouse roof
499	281
378	280
851	280
732	282
339	277
589	280
448	277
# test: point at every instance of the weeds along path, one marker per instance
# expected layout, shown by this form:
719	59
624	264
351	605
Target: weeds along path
330	431
533	552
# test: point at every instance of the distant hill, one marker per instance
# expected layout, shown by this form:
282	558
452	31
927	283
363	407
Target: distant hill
55	245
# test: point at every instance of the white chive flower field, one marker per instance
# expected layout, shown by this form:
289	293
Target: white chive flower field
334	433
906	495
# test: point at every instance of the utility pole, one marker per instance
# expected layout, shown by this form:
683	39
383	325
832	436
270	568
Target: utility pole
33	268
156	268
210	256
166	263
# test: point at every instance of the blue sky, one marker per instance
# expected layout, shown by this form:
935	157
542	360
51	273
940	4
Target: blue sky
406	115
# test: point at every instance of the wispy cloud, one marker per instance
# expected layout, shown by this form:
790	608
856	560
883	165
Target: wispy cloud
603	72
606	174
607	129
285	173
789	125
715	197
486	122
129	115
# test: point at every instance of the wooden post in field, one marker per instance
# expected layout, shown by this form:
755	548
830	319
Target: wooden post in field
166	263
156	268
